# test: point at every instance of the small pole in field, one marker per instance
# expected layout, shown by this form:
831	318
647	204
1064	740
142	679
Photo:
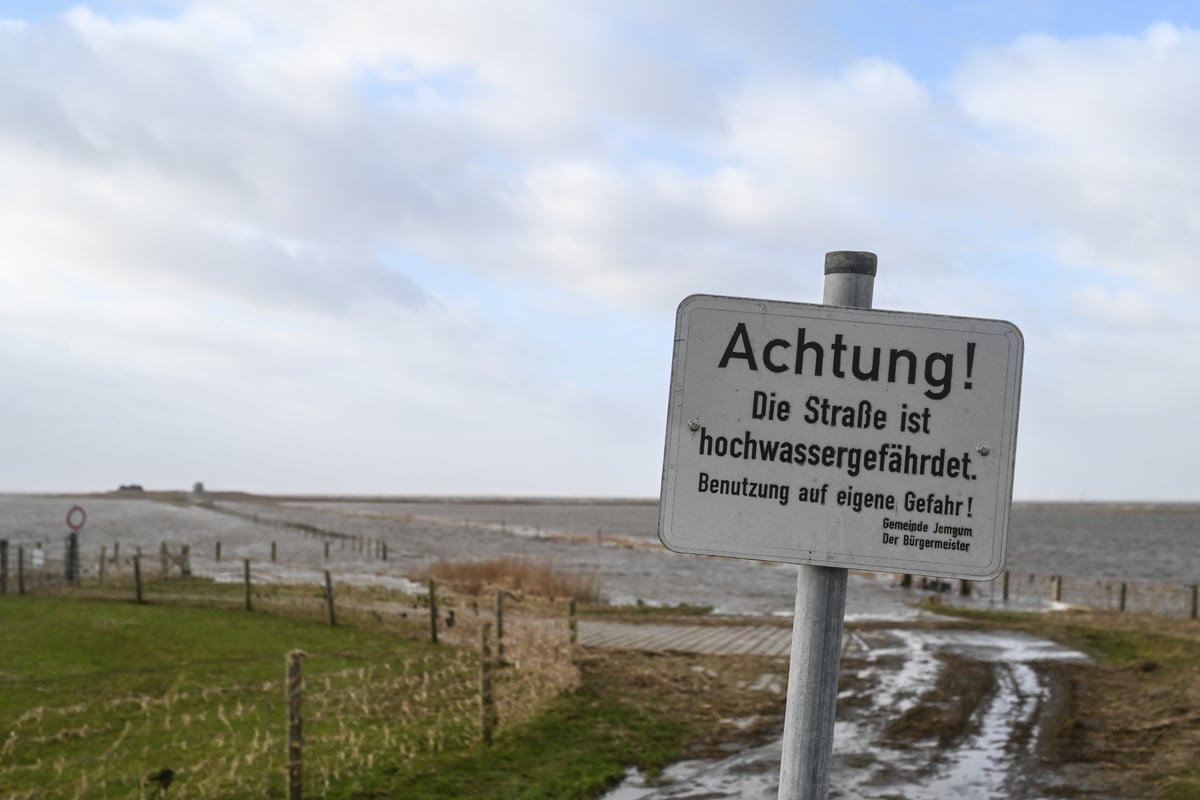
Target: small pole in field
218	553
1195	601
326	549
1005	586
295	724
3	566
72	571
246	569
329	599
20	570
500	626
1056	588
487	699
820	606
1124	595
433	612
273	551
573	622
137	579
103	558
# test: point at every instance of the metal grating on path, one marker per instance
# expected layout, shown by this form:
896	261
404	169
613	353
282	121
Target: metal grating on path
757	640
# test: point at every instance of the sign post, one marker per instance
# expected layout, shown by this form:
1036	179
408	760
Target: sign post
76	519
838	437
820	607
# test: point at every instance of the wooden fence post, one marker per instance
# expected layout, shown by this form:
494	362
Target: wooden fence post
217	554
117	556
103	558
329	599
383	546
137	578
273	551
246	567
20	570
433	612
295	724
1056	588
1124	594
1195	601
487	698
326	549
3	566
72	567
1004	585
500	626
573	622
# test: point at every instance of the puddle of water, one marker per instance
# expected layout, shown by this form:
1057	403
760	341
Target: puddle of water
901	666
752	774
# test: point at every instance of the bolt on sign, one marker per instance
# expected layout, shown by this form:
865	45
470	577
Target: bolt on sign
843	437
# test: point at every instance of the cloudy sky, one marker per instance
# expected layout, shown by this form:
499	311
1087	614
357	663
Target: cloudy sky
412	247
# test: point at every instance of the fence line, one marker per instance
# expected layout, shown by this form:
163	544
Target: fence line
1034	591
398	713
28	566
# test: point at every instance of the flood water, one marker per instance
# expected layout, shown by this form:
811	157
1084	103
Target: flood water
615	540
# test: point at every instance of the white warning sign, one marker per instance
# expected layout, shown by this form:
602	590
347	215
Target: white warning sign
847	437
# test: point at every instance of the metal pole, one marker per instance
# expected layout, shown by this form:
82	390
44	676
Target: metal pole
820	606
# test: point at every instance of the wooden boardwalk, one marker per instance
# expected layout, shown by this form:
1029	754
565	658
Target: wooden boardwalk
758	640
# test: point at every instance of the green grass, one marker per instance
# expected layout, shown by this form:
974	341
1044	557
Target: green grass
95	696
583	743
1183	789
98	695
1019	618
1121	647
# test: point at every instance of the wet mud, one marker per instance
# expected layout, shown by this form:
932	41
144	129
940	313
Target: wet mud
923	713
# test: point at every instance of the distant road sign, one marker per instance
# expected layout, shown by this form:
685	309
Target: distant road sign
845	437
76	518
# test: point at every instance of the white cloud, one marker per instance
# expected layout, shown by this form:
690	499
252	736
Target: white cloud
1095	140
1124	308
196	212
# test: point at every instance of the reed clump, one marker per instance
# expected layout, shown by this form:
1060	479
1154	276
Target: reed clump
518	575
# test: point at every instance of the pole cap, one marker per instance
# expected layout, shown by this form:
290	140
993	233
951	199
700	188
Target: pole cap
857	262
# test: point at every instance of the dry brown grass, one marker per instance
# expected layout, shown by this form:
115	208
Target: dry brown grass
520	576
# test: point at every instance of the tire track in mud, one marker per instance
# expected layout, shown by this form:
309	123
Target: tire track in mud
935	714
946	714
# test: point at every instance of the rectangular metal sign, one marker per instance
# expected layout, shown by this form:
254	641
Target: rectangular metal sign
857	438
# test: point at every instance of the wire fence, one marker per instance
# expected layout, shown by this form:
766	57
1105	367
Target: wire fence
499	660
1020	591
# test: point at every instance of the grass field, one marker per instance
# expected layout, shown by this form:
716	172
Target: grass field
98	696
